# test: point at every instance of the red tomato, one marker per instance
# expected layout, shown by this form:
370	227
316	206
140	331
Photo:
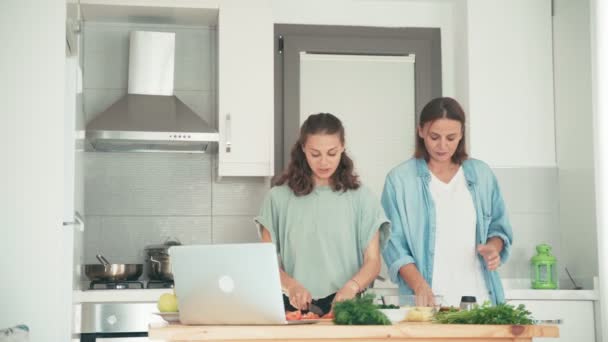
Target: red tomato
310	315
329	315
293	315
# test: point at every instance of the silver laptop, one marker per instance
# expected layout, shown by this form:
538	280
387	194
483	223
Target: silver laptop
228	284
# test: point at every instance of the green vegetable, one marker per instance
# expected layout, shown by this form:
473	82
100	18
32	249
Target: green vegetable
359	311
487	314
387	306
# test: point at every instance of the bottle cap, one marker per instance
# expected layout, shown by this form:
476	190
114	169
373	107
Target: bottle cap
468	299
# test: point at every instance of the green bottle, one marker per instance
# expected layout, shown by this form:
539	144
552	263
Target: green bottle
544	268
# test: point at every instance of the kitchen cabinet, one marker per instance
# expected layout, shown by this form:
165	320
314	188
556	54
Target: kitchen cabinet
36	281
510	81
578	322
245	89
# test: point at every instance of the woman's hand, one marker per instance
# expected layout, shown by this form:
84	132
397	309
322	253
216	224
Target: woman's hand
424	295
490	254
299	297
348	291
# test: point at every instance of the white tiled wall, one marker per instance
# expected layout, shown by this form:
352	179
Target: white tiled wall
137	199
531	196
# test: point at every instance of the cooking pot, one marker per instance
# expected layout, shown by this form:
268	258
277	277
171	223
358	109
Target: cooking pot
104	271
159	261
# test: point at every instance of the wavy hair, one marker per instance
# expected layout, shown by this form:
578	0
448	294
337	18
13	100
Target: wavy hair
298	174
442	108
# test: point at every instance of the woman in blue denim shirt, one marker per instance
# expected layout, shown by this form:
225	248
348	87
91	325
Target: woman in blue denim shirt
450	227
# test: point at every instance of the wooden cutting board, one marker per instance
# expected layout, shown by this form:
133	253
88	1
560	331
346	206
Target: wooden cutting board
327	331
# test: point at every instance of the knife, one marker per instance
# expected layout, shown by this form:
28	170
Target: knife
314	308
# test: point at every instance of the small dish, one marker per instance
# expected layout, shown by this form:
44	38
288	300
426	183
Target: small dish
395	315
169	316
416	308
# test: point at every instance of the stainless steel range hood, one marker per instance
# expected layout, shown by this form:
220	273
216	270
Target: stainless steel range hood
150	118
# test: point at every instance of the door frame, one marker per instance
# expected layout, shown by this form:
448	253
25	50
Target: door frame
290	40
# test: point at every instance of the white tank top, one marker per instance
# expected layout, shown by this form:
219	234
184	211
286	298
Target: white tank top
457	270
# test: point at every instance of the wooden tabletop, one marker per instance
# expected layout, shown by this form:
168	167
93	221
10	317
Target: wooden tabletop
426	332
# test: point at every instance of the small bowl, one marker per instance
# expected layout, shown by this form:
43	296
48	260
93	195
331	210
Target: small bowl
414	308
395	315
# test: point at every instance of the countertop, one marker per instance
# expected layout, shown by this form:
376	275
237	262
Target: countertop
515	289
519	289
330	332
131	295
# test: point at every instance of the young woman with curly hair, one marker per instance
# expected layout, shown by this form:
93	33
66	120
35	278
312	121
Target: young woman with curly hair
328	228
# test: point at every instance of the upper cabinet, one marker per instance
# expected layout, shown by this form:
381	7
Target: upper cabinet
510	80
245	88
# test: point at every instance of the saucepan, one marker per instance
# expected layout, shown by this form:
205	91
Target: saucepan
159	261
104	271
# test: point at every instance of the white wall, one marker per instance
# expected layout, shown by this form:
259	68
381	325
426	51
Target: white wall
380	13
511	82
36	282
599	56
574	143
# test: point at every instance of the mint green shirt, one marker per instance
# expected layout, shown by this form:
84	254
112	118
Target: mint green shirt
321	237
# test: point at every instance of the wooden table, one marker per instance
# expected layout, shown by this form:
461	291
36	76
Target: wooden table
412	332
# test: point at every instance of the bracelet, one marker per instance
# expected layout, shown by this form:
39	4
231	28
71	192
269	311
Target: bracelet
356	283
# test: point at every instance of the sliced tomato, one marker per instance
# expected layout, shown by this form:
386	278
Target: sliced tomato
293	315
329	315
310	315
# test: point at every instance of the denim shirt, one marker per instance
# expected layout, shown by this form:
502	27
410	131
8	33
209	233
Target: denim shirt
408	204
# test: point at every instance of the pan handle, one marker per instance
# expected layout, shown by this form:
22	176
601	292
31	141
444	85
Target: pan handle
102	260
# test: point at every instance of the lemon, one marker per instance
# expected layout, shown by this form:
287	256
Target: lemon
167	303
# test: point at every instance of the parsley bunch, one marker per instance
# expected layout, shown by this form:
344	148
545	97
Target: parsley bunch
359	311
487	314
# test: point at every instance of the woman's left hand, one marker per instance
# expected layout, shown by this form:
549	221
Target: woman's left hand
490	255
348	291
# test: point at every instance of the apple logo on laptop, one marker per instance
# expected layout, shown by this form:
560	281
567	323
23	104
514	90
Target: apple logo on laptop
226	284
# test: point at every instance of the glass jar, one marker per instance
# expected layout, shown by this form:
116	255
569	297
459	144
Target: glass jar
467	302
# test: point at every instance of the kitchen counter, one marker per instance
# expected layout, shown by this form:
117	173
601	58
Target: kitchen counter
519	289
529	294
515	289
132	295
427	332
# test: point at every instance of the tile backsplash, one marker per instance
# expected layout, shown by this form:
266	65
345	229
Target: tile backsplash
532	199
138	199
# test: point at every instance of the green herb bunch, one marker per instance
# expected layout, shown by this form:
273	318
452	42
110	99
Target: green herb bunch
359	311
487	314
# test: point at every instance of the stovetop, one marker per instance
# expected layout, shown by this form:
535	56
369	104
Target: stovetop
130	285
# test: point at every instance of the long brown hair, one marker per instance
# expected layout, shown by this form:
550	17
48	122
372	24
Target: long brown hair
298	175
442	108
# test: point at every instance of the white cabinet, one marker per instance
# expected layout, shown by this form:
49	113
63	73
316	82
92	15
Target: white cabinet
510	80
245	88
578	322
36	287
